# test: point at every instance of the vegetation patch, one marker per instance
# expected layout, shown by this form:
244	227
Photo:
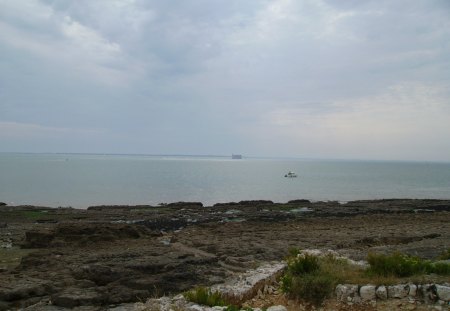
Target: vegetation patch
314	278
204	296
401	265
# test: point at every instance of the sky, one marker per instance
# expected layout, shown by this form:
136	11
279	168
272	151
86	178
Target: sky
338	79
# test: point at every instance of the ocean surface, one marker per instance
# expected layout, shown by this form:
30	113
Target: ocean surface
80	180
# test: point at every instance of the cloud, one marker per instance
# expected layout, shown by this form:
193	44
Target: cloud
265	77
406	121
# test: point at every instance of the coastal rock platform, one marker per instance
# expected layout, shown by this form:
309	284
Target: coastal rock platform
99	258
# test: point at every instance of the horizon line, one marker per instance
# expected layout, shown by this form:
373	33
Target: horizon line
227	156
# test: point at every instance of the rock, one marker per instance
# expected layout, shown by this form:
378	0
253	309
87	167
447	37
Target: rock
251	283
38	239
398	291
73	297
344	292
412	290
381	292
3	225
185	204
443	292
367	292
3	204
24	289
277	308
429	293
99	274
299	201
255	202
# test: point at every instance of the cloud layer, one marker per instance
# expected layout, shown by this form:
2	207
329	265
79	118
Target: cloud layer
327	78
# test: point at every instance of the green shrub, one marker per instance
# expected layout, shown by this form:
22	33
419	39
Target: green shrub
204	296
445	255
401	265
313	287
303	264
441	268
307	278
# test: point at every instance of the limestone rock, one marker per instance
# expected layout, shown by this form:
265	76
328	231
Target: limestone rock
398	291
277	308
381	292
443	292
412	290
367	292
346	291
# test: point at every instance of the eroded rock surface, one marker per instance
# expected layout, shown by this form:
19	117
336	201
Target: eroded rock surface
113	255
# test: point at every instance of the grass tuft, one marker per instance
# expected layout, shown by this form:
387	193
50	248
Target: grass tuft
204	296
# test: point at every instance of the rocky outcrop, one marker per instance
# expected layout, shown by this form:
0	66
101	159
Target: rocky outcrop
82	234
425	293
247	285
118	207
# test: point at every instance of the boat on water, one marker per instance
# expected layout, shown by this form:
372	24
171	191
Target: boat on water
290	174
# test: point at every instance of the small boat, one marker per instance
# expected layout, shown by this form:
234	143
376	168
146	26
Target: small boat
290	175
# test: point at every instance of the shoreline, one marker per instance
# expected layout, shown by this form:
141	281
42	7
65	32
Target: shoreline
109	255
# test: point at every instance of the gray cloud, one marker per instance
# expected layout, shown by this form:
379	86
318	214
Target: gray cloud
283	78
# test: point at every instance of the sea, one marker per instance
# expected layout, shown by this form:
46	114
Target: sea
82	180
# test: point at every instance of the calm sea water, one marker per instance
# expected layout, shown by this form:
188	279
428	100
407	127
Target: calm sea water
84	180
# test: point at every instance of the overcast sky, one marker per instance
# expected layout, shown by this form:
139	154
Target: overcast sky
345	79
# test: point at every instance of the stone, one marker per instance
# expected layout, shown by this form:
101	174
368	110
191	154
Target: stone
277	308
381	292
367	292
398	291
346	291
429	293
73	297
443	292
250	284
412	290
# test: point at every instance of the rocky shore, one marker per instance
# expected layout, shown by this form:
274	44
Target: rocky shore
106	256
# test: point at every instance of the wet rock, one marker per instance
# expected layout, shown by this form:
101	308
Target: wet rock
367	292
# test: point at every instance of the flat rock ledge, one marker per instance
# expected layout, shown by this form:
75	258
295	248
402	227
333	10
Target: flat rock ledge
251	283
236	290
